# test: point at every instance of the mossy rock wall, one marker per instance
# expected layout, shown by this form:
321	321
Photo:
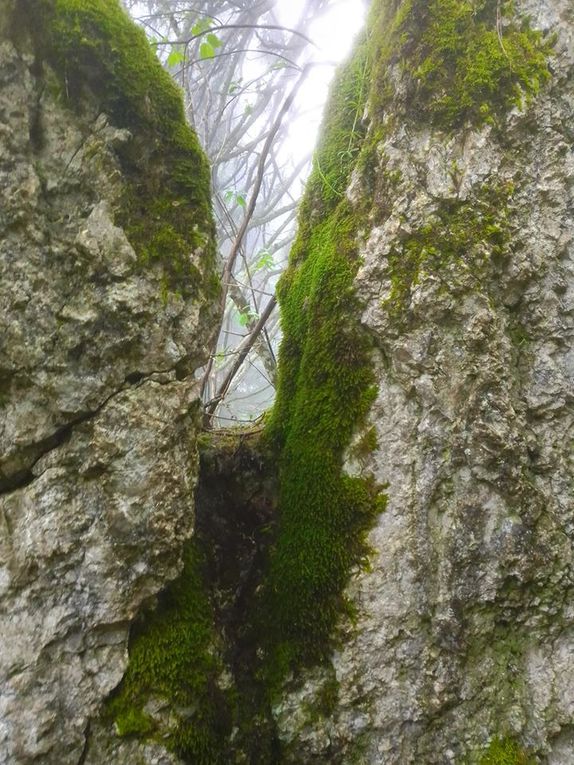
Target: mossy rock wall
434	259
107	305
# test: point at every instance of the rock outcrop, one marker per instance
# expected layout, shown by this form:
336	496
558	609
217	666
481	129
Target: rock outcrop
411	599
107	295
462	645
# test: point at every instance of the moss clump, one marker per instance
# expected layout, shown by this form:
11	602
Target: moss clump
326	700
365	446
131	721
505	751
166	211
466	62
173	659
326	387
467	235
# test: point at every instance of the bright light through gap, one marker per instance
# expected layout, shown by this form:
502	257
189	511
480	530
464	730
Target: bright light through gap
333	33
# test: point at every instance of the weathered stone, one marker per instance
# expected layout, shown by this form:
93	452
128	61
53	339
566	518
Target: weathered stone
105	746
98	407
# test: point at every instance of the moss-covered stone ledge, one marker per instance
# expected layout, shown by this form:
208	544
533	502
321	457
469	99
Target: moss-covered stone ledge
452	63
107	287
422	209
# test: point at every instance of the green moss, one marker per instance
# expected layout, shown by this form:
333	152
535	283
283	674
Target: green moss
166	209
505	751
366	445
519	336
131	721
326	387
173	658
463	64
327	699
344	132
468	235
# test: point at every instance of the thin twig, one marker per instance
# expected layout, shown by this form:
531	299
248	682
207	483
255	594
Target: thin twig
228	270
243	350
211	30
246	50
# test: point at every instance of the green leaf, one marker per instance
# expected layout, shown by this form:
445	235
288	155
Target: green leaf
264	260
175	57
206	51
236	197
244	318
214	40
200	26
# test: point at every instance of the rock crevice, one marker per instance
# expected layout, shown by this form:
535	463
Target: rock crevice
388	575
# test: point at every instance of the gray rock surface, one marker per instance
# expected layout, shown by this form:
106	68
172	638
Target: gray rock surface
106	747
98	414
465	625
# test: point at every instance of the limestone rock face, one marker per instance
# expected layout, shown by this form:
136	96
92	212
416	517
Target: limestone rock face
465	627
97	400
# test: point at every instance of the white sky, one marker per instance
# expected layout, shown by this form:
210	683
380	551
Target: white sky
334	34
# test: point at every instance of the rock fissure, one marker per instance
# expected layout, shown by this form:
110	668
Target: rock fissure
84	752
60	436
384	574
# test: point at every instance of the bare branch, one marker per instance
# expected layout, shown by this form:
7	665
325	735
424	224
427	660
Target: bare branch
243	350
260	173
237	26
